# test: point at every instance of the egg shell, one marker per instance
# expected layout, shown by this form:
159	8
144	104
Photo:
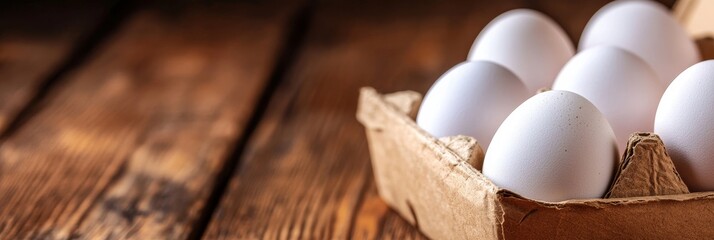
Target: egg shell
620	84
685	122
527	42
471	99
553	147
647	29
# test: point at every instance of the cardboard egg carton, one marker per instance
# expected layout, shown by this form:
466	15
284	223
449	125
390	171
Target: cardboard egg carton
436	185
697	18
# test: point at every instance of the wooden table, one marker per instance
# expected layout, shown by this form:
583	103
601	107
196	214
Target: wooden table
227	120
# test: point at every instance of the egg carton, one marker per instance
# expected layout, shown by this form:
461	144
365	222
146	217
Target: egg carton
437	186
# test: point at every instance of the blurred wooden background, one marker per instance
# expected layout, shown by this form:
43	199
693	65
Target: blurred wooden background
214	120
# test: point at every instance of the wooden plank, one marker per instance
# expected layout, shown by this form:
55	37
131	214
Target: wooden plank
306	173
36	39
394	227
129	145
376	221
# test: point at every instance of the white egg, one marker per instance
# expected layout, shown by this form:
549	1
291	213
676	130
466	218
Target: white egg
648	30
529	43
685	122
553	147
621	85
471	99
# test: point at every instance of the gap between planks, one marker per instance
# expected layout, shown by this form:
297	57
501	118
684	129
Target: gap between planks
118	12
286	57
37	110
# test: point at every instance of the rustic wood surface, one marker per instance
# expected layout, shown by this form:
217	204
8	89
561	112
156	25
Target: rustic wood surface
35	46
225	120
130	143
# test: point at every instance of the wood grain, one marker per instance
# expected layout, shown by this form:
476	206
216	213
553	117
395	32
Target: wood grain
128	145
376	221
35	40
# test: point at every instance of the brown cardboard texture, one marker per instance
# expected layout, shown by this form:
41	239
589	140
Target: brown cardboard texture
696	17
434	185
646	170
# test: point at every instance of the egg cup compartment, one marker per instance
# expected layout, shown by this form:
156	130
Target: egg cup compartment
436	185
